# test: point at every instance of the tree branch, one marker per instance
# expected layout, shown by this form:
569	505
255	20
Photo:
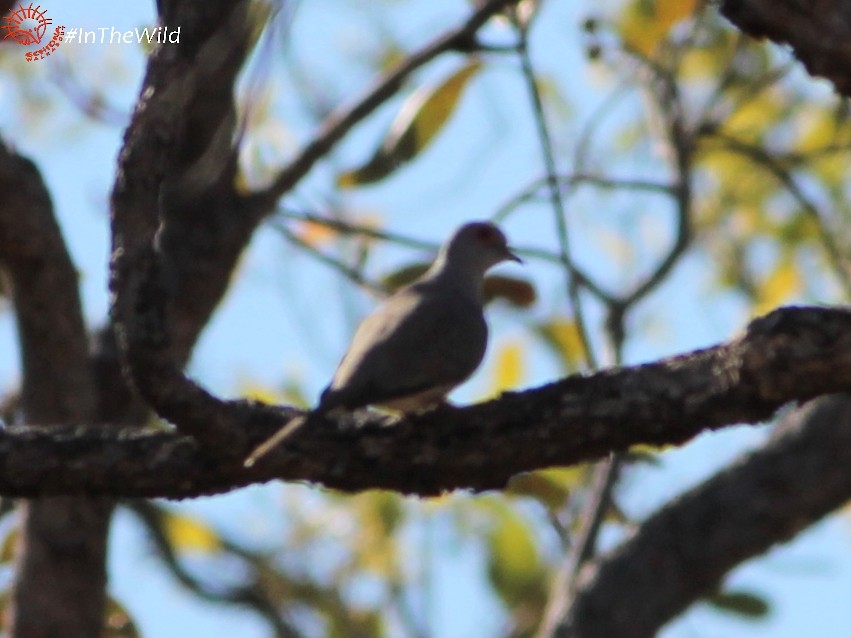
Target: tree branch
58	387
57	380
341	121
791	354
682	553
818	36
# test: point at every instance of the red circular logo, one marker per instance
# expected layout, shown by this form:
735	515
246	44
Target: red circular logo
26	25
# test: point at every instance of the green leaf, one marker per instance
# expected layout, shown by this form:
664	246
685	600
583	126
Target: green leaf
741	603
515	568
420	119
403	276
551	486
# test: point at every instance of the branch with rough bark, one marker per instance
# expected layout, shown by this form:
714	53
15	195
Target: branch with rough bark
817	32
793	354
58	387
682	552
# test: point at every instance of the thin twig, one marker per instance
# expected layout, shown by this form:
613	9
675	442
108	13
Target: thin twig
350	228
556	200
563	588
681	141
250	595
606	472
350	273
533	189
341	121
840	265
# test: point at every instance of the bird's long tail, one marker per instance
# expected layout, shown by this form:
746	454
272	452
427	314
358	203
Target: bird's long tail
273	441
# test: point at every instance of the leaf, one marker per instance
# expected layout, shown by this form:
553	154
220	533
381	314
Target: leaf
189	534
403	276
562	336
257	392
380	510
420	119
781	284
373	541
551	486
646	23
741	603
515	568
517	292
117	622
315	235
7	549
508	371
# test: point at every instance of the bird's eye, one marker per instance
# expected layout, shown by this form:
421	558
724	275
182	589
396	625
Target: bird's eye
486	235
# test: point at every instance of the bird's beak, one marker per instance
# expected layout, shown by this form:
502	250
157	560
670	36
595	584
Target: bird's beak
512	256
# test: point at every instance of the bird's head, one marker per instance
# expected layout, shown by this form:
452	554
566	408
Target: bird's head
478	246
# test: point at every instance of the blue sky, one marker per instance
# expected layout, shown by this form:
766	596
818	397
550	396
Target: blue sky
260	334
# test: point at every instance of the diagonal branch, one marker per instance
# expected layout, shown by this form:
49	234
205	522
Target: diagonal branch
682	553
339	123
57	381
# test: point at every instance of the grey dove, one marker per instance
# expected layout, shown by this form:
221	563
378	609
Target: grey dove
424	340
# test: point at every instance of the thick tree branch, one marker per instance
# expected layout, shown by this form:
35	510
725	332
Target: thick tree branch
168	184
58	387
818	33
791	354
57	380
682	553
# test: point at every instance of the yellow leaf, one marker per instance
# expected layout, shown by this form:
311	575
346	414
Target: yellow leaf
314	234
7	549
669	12
562	335
646	23
515	568
188	534
551	486
419	120
379	514
256	392
425	113
509	367
783	282
753	117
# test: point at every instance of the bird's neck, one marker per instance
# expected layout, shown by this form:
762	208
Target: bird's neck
462	278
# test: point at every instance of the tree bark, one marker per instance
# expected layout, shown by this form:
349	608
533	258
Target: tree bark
791	354
683	552
60	584
818	32
61	553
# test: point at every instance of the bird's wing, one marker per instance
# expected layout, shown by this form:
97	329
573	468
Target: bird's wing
418	340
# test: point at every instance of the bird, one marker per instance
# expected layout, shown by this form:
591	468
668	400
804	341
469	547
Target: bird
423	341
